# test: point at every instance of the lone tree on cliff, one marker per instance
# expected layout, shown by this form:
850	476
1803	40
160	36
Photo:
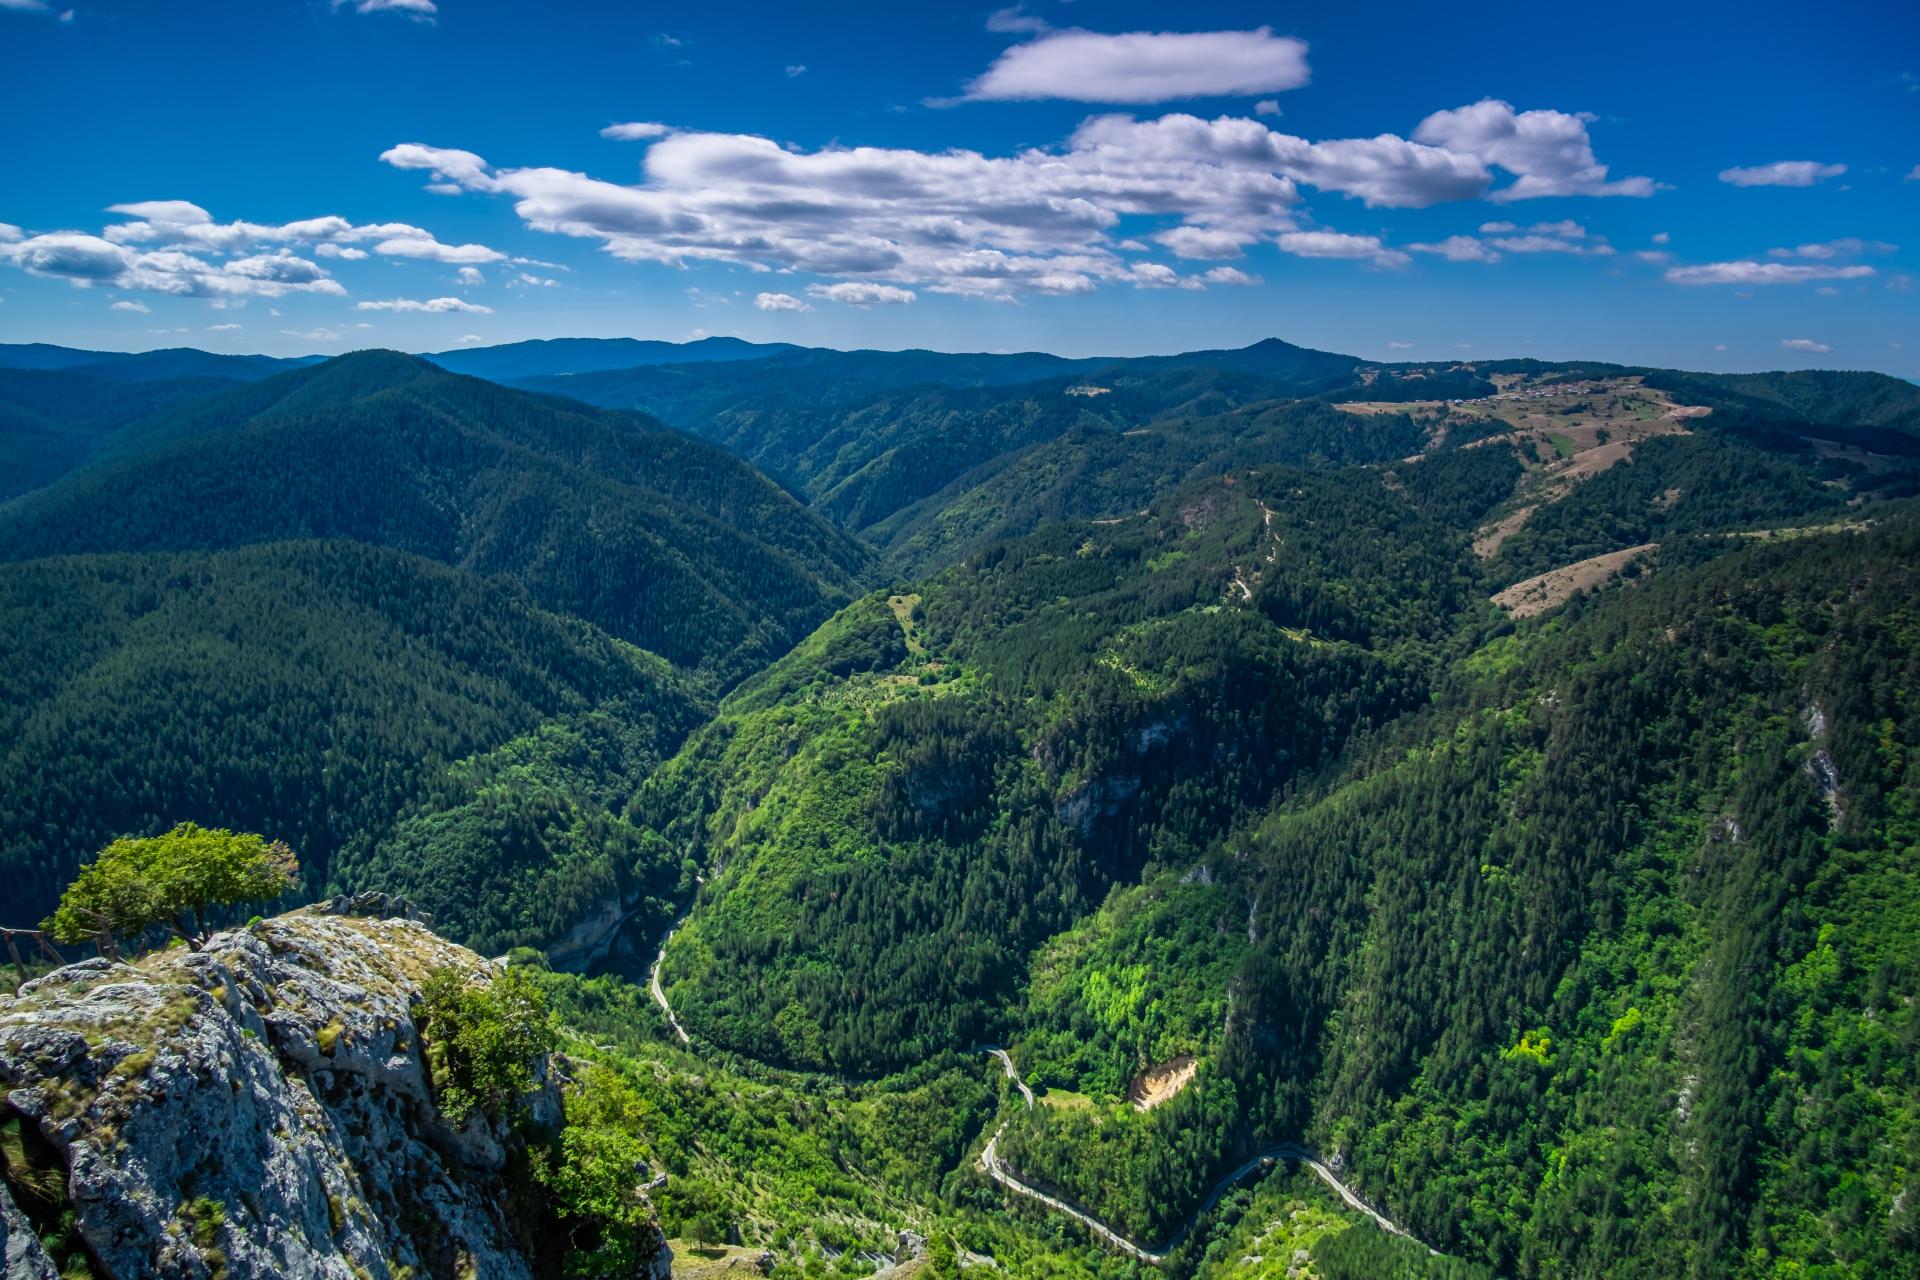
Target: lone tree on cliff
173	880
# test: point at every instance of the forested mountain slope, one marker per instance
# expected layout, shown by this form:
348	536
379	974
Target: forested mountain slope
1373	896
656	537
311	689
934	784
864	433
51	420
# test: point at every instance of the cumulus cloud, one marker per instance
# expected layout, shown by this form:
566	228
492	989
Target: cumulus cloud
1804	344
1460	249
779	302
470	276
1041	220
1548	152
10	232
1229	276
1144	66
126	304
425	246
434	305
1267	107
1335	244
1782	173
528	280
861	293
1749	272
86	260
636	131
347	253
222	328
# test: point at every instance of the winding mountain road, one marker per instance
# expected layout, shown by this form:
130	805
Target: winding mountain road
653	979
996	1168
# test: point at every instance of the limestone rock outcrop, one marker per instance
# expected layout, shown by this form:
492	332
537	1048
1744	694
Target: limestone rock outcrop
260	1107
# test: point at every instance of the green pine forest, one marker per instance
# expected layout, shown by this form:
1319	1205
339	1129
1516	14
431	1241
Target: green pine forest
1163	713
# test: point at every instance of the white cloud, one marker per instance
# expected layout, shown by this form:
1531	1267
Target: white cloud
1748	272
1914	176
1498	228
1653	255
1016	19
1335	244
1040	220
636	131
222	328
1804	344
425	246
1204	242
313	335
1267	107
1459	249
1845	247
430	305
527	280
779	302
1401	346
470	276
471	338
1661	237
9	232
346	253
1535	243
24	6
1229	275
1548	151
1782	173
126	304
861	293
1144	66
1719	346
85	260
796	69
418	10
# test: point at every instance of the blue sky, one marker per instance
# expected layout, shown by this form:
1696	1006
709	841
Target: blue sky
1704	186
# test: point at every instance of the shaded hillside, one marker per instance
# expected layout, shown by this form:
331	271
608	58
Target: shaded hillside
51	420
309	689
656	537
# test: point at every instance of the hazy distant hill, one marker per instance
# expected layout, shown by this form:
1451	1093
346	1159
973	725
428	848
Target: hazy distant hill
137	366
546	356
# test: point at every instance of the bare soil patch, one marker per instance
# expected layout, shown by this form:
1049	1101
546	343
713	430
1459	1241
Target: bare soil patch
1158	1083
1557	586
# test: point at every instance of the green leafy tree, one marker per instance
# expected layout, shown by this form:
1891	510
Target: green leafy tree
484	1042
173	880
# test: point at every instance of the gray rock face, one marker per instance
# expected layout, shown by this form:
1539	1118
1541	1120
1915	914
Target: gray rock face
20	1251
258	1108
